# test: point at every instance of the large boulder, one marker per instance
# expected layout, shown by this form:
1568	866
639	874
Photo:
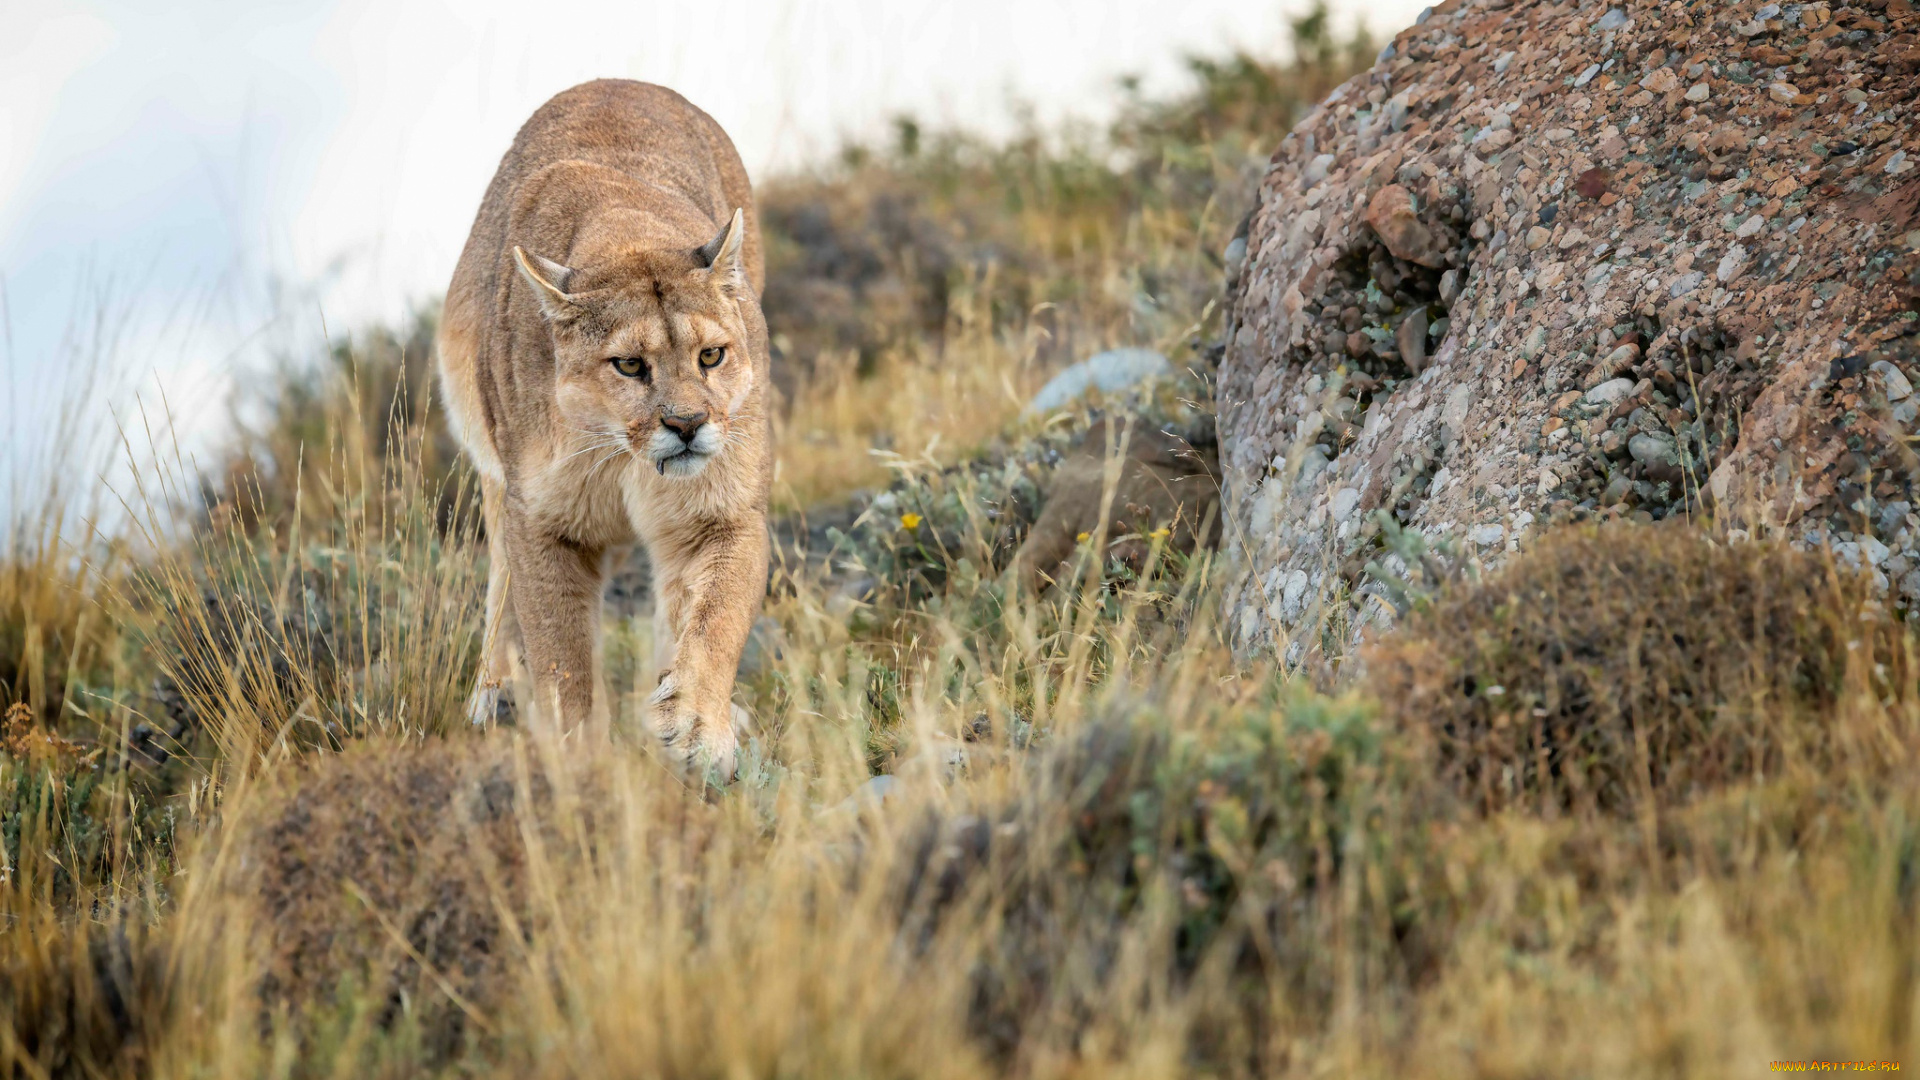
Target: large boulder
1570	260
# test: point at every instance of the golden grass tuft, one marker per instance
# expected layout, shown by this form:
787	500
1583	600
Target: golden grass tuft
1609	665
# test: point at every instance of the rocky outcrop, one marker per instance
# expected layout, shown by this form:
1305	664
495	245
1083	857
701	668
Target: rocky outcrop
1571	260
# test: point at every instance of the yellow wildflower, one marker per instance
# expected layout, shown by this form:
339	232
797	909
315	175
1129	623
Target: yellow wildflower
909	521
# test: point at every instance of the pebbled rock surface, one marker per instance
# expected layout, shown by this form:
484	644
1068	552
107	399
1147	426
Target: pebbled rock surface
1576	260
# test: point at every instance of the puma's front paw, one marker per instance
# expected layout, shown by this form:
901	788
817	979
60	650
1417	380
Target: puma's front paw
699	739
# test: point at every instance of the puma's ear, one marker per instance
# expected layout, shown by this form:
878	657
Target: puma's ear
722	254
549	281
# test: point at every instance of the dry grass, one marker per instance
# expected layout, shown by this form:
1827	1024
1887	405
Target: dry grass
1107	848
1614	664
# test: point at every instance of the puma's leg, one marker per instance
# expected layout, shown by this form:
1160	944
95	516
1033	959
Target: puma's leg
555	589
708	590
503	666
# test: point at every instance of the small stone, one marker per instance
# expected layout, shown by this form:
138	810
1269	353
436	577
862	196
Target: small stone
1343	503
1358	344
1450	287
1783	92
1593	183
1335	343
1235	256
1699	92
1750	227
1618	489
1685	284
1316	170
1898	163
1731	265
1412	339
1650	449
1390	215
1535	344
1537	238
1586	76
1614	19
1898	388
1875	551
1109	372
1661	81
1487	535
1611	392
1493	139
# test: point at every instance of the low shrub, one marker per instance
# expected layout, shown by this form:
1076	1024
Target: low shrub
1608	665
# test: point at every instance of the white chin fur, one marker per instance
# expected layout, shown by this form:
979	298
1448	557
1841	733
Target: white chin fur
672	457
683	465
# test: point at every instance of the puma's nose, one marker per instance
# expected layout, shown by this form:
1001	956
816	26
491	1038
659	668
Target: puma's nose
684	425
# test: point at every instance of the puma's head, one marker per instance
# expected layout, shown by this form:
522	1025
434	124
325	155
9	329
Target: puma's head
651	348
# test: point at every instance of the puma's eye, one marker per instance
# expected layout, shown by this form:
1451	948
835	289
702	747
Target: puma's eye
711	358
631	366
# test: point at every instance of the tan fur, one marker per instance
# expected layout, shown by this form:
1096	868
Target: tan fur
593	244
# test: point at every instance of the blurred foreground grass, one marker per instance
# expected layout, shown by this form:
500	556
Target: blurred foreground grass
1639	805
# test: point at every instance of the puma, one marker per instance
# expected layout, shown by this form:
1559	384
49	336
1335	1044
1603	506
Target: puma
604	362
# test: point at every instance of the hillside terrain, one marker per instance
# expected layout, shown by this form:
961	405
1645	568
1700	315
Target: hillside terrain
1024	790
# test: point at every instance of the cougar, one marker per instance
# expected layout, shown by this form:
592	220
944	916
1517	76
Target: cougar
604	362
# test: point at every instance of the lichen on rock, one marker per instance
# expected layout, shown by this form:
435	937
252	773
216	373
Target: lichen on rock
1579	260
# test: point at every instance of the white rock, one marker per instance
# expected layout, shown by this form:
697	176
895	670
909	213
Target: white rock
1649	449
1875	551
1611	392
1343	503
1294	594
1487	535
1898	388
1685	284
1731	264
1699	92
1110	371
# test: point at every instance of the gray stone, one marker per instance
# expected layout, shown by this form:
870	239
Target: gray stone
1611	392
1235	256
1875	551
1108	372
1898	388
1613	19
1650	449
1412	340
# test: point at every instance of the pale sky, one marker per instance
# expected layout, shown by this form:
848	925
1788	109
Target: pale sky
186	186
